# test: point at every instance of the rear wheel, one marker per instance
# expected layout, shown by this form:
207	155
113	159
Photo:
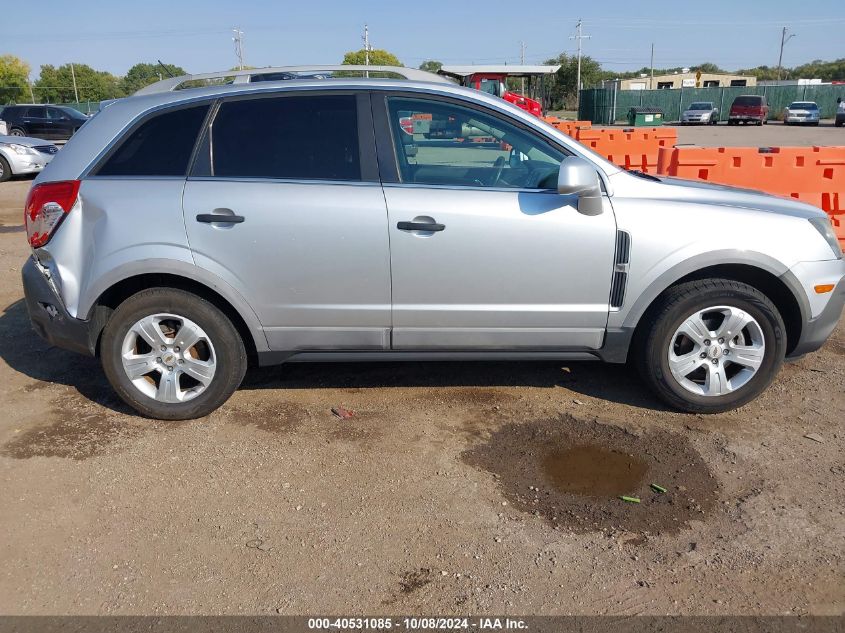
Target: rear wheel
5	170
713	345
171	355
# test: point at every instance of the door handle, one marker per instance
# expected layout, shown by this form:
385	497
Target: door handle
220	217
420	226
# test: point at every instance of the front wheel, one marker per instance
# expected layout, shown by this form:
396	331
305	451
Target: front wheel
172	355
5	170
713	345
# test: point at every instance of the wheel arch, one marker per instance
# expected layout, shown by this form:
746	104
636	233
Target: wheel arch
247	326
792	310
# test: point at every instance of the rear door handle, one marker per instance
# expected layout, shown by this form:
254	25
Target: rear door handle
220	217
420	226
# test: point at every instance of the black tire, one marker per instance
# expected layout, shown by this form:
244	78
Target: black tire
16	131
230	355
676	305
5	170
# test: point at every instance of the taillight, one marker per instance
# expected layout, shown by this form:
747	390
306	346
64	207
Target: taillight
46	206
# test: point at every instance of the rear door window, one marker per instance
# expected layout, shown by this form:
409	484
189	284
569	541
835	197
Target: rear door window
37	112
301	137
160	146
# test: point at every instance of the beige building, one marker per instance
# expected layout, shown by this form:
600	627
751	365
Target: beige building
686	80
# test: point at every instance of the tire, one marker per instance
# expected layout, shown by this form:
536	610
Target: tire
664	338
16	131
220	347
5	170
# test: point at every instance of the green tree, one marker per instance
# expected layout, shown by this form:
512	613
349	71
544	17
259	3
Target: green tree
431	66
144	74
707	67
14	79
55	85
561	87
378	57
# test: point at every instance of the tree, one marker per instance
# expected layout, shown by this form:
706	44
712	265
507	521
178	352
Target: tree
707	67
378	57
14	79
562	85
55	85
144	74
431	66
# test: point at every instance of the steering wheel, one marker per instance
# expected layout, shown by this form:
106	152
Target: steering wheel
500	166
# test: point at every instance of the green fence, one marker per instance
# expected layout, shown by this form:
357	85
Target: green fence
604	106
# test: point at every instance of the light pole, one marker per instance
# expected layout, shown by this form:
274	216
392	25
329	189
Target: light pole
783	41
578	37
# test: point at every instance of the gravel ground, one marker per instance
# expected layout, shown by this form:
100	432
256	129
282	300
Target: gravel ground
443	494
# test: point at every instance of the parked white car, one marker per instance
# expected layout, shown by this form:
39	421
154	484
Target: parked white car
801	112
21	155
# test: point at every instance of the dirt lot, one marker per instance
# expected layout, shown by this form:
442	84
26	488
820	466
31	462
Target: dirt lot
445	493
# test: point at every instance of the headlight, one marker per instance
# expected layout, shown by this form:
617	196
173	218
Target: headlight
22	150
824	226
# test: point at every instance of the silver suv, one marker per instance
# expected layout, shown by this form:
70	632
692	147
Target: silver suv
183	234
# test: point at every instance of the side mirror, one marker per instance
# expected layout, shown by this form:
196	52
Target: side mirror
578	177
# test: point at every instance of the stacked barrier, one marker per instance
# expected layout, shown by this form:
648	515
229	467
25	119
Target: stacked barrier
815	175
629	148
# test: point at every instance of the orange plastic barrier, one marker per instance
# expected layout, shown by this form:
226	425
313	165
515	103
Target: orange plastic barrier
567	127
632	148
815	175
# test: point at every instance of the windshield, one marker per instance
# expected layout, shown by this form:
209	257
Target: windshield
703	105
803	105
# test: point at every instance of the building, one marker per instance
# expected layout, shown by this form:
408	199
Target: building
686	80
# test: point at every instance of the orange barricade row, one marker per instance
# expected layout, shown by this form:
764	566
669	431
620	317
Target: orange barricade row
815	175
631	148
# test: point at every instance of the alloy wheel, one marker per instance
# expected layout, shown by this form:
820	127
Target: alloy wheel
716	350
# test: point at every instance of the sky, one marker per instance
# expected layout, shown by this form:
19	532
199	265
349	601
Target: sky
197	34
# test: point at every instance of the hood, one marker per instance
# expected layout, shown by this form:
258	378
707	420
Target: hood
27	141
705	193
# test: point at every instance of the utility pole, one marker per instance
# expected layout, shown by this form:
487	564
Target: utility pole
783	41
31	93
651	81
239	46
522	61
73	76
367	48
578	37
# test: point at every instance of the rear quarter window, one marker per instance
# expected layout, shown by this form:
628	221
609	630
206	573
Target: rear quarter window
161	146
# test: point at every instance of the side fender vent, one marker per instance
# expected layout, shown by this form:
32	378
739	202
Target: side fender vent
620	269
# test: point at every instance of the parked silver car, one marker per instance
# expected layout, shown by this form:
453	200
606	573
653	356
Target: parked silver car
21	155
183	234
802	113
701	112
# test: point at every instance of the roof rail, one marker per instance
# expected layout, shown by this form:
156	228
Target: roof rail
244	76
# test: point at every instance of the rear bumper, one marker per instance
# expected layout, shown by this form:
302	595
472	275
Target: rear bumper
49	317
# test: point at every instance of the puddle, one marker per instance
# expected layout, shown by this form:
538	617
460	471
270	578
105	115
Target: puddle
593	471
572	472
19	228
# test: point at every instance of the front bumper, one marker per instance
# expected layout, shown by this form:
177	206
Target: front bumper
49	317
817	329
26	163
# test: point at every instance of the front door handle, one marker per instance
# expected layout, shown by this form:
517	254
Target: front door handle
420	226
220	217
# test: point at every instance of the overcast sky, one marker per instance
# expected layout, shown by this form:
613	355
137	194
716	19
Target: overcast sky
197	34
